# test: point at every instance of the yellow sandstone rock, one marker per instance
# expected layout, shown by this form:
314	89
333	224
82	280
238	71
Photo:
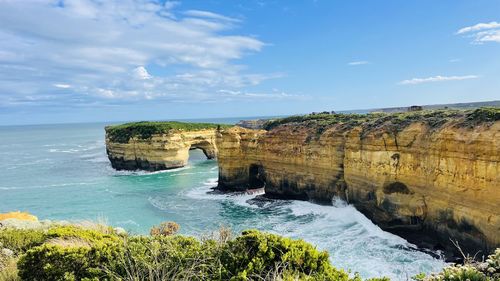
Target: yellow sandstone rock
161	151
443	183
427	176
19	216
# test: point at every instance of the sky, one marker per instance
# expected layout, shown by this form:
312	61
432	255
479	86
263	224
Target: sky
117	60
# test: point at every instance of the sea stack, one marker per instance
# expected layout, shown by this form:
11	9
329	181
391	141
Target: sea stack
153	146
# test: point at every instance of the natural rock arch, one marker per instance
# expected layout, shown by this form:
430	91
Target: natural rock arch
207	147
160	151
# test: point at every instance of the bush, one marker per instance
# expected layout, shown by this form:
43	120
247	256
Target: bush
166	258
165	229
254	253
20	240
70	253
75	253
488	270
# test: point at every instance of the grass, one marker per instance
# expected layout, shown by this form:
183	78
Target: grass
391	121
8	269
146	129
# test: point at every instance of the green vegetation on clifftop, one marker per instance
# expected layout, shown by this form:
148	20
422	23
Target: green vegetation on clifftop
391	121
145	129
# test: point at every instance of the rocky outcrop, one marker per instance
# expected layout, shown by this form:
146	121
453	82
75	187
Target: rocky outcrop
429	181
255	124
19	216
160	151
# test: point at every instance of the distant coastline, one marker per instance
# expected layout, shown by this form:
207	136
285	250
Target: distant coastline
234	120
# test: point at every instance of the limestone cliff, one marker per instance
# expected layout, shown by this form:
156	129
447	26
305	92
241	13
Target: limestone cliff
147	147
431	173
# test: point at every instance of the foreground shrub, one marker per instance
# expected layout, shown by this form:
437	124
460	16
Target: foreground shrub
167	258
70	253
20	240
488	270
75	253
254	253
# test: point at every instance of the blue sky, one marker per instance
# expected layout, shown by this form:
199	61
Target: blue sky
87	61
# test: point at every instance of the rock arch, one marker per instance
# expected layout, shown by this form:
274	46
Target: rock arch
207	147
161	151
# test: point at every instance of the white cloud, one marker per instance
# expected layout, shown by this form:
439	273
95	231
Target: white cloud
488	36
362	62
478	27
210	15
274	94
482	32
62	86
103	50
438	78
455	60
141	73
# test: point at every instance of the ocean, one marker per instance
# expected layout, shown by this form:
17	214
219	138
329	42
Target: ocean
61	172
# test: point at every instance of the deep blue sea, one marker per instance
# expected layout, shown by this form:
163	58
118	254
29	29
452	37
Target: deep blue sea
61	172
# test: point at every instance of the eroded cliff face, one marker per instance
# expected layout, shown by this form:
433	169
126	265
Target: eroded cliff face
160	151
441	182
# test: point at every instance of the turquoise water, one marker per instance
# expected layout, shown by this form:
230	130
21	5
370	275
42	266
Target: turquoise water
61	172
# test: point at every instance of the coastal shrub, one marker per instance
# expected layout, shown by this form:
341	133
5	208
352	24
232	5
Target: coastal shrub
167	258
76	253
20	240
456	273
483	115
52	262
165	229
90	235
488	270
254	253
71	253
146	129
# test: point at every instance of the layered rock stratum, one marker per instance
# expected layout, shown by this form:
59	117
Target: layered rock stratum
428	176
154	146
